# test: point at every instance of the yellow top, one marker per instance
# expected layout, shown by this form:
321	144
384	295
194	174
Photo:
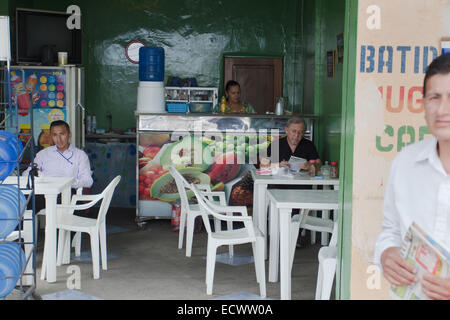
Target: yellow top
25	126
45	127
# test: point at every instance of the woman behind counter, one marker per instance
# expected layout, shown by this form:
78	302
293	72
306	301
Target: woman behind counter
233	100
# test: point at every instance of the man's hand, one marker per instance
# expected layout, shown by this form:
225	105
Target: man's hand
436	288
396	269
284	164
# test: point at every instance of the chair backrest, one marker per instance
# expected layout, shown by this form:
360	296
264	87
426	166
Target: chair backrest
334	235
204	208
106	196
182	184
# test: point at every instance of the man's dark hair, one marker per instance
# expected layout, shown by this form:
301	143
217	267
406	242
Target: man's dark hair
440	65
58	123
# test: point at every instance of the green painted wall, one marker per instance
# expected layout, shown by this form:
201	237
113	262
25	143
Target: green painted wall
346	165
4	8
327	21
194	34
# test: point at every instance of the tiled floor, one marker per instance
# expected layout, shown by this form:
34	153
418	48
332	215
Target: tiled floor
146	264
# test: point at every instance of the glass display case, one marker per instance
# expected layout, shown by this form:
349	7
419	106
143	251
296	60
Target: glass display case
191	96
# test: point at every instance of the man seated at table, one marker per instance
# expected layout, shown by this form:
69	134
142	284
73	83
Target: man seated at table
62	159
294	144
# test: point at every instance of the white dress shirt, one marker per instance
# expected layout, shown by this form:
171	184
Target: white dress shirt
73	162
418	190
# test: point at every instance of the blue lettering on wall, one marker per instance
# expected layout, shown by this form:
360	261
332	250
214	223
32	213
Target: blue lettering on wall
425	57
403	50
416	59
388	62
370	58
382	62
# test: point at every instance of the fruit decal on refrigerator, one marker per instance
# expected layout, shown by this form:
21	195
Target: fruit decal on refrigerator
200	160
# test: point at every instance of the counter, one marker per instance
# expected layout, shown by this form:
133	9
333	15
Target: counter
212	149
216	122
110	137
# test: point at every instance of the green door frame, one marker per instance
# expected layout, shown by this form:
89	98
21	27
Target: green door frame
347	138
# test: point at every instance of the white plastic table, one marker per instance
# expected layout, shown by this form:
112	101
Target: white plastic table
260	198
50	187
281	204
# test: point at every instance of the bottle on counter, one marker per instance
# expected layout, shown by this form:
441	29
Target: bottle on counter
223	104
45	138
25	133
334	170
312	168
325	170
94	124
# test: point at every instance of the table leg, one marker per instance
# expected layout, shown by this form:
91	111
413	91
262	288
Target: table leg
260	211
49	260
274	244
285	257
65	199
324	235
325	215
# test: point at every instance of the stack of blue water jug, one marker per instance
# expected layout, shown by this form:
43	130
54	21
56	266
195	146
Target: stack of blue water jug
12	205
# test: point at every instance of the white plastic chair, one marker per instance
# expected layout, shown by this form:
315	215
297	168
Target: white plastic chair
190	211
67	222
305	221
327	268
248	234
40	220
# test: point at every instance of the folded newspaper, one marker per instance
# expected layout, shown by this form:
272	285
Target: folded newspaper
294	163
428	256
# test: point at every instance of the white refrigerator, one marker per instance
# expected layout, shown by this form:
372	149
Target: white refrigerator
49	93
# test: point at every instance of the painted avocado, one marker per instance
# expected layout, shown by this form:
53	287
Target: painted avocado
165	188
189	152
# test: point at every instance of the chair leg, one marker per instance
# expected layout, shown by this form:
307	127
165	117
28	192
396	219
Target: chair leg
95	254
295	229
230	227
189	234
319	281
210	265
181	230
67	249
324	235
313	233
329	267
258	255
61	248
76	243
103	250
44	261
